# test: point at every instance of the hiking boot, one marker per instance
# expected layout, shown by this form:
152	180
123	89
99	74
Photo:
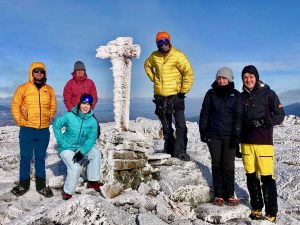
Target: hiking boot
19	190
183	156
270	218
66	196
255	214
219	201
46	192
232	201
94	184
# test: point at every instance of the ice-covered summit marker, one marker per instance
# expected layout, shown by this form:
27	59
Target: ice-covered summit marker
120	51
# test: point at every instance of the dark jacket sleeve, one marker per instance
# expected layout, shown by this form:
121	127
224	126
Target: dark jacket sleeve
204	114
276	109
238	116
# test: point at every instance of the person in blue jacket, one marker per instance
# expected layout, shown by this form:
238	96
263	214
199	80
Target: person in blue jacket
77	142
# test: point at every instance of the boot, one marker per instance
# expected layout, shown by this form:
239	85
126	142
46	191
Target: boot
254	189
41	188
255	214
270	195
183	156
94	184
22	188
66	196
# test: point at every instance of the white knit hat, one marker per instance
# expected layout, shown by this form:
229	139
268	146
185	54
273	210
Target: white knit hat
225	72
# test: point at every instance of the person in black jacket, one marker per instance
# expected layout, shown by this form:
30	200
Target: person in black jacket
261	111
220	127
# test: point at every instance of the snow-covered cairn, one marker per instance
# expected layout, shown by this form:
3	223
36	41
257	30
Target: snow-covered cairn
120	51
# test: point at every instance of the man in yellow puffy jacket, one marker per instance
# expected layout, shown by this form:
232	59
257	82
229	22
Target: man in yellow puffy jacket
172	75
33	107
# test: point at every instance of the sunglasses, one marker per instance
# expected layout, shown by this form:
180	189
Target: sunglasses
39	70
162	42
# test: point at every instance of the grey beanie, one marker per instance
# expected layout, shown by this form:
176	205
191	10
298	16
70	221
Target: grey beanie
79	65
225	72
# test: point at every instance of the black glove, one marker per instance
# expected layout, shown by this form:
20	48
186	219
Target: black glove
238	154
203	136
181	95
256	123
77	157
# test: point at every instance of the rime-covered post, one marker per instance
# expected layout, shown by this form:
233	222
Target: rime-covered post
120	51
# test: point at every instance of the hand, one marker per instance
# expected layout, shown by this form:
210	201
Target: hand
181	95
203	137
256	123
77	157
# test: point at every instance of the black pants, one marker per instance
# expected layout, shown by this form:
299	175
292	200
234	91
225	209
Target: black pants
222	161
172	146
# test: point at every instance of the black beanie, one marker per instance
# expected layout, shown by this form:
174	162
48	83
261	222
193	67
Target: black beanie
251	69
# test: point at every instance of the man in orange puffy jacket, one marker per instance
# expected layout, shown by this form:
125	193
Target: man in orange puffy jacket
172	76
33	107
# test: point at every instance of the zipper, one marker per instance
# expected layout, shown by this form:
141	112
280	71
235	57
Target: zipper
78	139
40	109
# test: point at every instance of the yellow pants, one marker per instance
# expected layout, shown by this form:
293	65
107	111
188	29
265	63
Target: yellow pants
258	158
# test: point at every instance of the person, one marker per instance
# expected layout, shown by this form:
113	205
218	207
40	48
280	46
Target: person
80	84
261	111
220	127
172	75
33	107
76	143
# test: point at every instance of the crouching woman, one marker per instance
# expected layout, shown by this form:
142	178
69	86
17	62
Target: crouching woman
76	143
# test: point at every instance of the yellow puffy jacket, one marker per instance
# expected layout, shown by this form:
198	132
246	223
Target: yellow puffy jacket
171	73
33	107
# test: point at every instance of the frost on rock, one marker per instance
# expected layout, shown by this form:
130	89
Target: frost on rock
120	51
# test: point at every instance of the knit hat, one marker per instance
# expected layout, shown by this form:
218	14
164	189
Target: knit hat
251	69
79	65
163	35
225	72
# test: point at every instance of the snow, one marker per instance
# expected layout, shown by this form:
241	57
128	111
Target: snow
181	194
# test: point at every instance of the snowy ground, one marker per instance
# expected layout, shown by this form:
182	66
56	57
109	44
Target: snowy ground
88	207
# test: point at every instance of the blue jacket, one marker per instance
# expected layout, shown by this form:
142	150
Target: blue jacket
80	131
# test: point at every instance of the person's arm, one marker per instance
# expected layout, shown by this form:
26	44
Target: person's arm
68	95
237	116
91	140
52	104
149	68
277	111
204	116
185	68
16	105
94	94
58	124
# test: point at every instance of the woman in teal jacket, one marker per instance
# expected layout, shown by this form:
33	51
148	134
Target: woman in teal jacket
78	142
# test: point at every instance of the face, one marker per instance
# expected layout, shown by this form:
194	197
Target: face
222	81
163	45
38	74
249	80
80	72
85	108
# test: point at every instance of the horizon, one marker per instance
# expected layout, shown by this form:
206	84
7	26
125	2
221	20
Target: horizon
211	34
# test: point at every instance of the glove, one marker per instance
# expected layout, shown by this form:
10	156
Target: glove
181	95
256	123
77	157
238	154
203	137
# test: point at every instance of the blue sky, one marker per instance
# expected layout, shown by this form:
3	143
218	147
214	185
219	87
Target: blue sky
211	33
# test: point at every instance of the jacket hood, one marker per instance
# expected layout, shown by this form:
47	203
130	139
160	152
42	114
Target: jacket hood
75	77
36	65
258	86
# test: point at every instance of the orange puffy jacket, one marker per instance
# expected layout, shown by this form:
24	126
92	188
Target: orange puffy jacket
33	107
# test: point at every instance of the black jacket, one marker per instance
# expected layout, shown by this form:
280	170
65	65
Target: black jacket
221	113
261	103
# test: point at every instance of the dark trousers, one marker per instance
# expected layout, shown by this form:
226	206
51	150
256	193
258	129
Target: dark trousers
222	161
33	142
268	189
174	146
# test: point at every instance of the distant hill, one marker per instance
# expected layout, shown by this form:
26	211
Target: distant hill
293	109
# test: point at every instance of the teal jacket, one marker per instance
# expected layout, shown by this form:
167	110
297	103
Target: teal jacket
80	131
